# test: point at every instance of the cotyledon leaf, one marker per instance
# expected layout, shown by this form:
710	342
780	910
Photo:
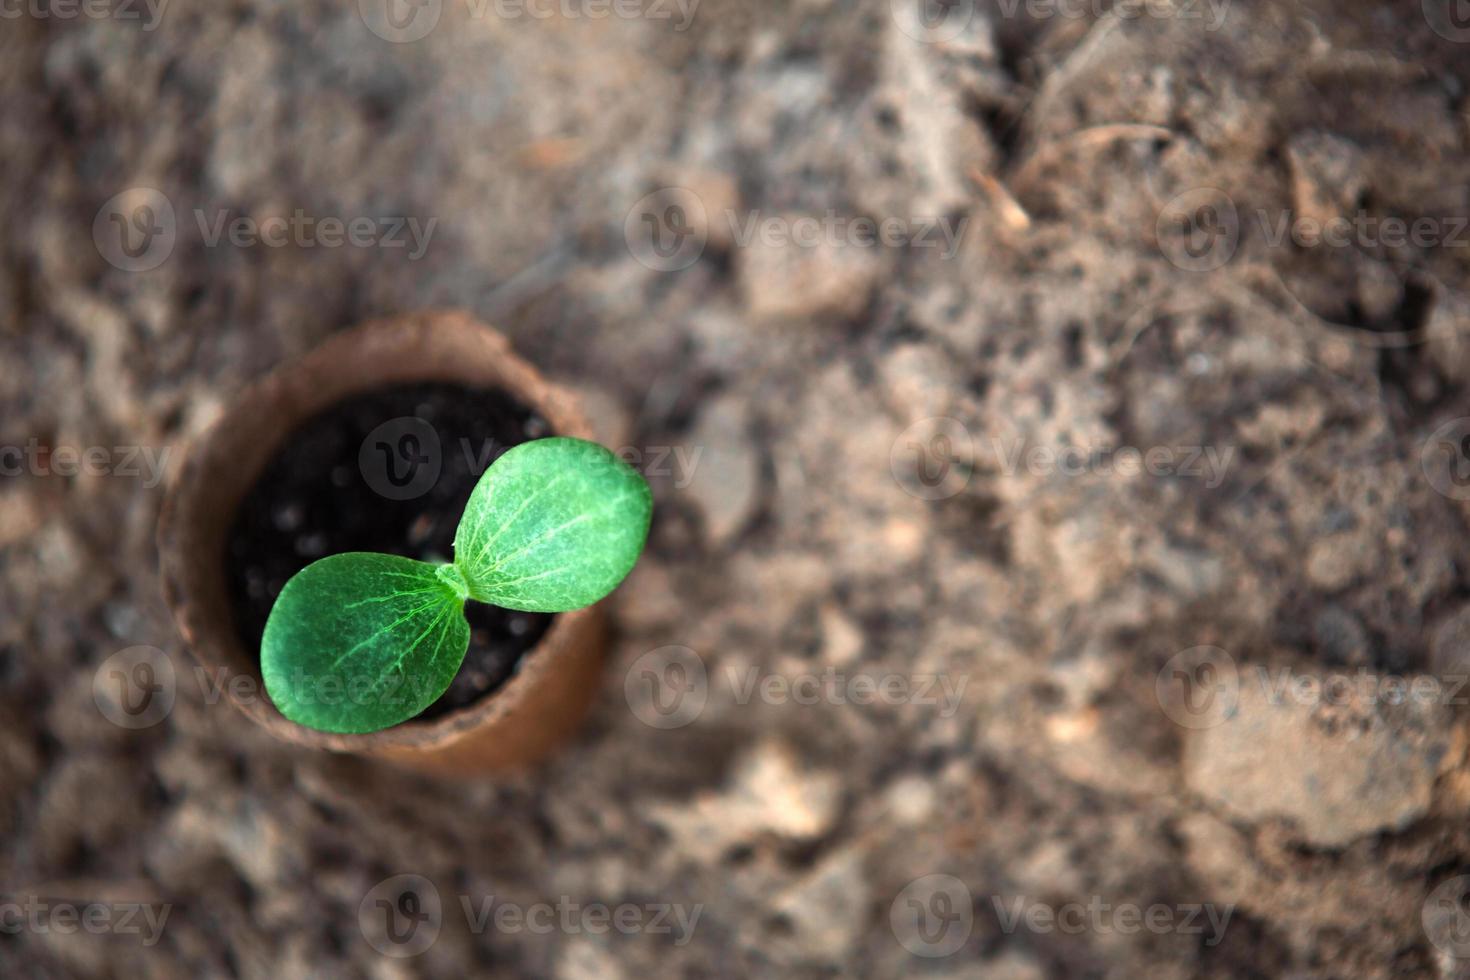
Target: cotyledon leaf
553	525
357	642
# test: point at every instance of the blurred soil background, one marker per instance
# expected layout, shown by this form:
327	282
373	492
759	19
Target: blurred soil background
1075	310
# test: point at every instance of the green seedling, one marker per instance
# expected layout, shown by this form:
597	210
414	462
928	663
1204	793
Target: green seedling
360	641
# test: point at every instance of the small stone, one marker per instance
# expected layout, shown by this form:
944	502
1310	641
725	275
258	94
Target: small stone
824	910
20	760
1095	750
311	545
1340	636
1189	572
421	528
60	554
288	516
1335	562
1326	175
782	277
69	817
842	640
1449	650
725	480
258	845
583	958
904	539
768	793
122	619
1380	290
20	514
611	421
1218	854
720	195
910	799
919	382
1338	767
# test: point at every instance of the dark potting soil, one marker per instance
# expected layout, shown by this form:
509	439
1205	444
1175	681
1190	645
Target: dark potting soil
387	471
